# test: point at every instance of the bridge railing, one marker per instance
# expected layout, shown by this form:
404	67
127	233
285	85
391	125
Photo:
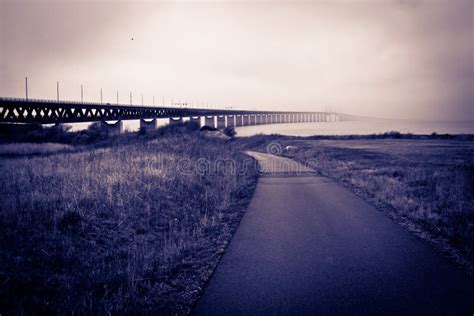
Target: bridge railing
84	102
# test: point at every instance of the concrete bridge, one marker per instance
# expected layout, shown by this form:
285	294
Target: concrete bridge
35	111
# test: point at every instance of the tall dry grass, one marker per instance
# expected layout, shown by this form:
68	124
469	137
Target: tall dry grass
117	229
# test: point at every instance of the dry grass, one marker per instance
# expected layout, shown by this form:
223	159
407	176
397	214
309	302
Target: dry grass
22	149
117	229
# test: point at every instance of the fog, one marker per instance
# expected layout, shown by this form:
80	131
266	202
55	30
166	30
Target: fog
393	59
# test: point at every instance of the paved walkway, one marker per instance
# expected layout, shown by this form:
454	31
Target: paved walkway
309	246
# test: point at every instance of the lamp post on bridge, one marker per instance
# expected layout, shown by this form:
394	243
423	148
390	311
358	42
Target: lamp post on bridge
130	97
82	94
26	87
100	95
57	90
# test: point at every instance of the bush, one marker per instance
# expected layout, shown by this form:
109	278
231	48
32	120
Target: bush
230	131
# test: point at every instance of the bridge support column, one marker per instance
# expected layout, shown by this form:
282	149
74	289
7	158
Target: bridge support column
251	119
209	121
148	125
178	120
238	120
113	128
196	119
245	120
221	121
230	120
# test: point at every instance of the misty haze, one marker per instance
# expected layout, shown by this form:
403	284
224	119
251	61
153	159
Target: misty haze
237	157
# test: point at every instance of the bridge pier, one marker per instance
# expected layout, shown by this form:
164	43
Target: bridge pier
245	120
251	119
230	120
209	121
238	120
173	120
148	125
221	121
113	128
196	119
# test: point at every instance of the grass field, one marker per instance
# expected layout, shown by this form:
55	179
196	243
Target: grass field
425	184
130	225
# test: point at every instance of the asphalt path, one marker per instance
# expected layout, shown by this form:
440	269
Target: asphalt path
309	246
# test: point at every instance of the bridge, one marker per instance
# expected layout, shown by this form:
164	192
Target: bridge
36	111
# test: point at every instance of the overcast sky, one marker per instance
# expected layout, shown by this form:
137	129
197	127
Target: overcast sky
387	58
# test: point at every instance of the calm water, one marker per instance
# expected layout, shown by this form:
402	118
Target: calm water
360	127
335	128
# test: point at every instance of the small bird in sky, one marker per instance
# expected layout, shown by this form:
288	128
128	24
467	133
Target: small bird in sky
131	39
